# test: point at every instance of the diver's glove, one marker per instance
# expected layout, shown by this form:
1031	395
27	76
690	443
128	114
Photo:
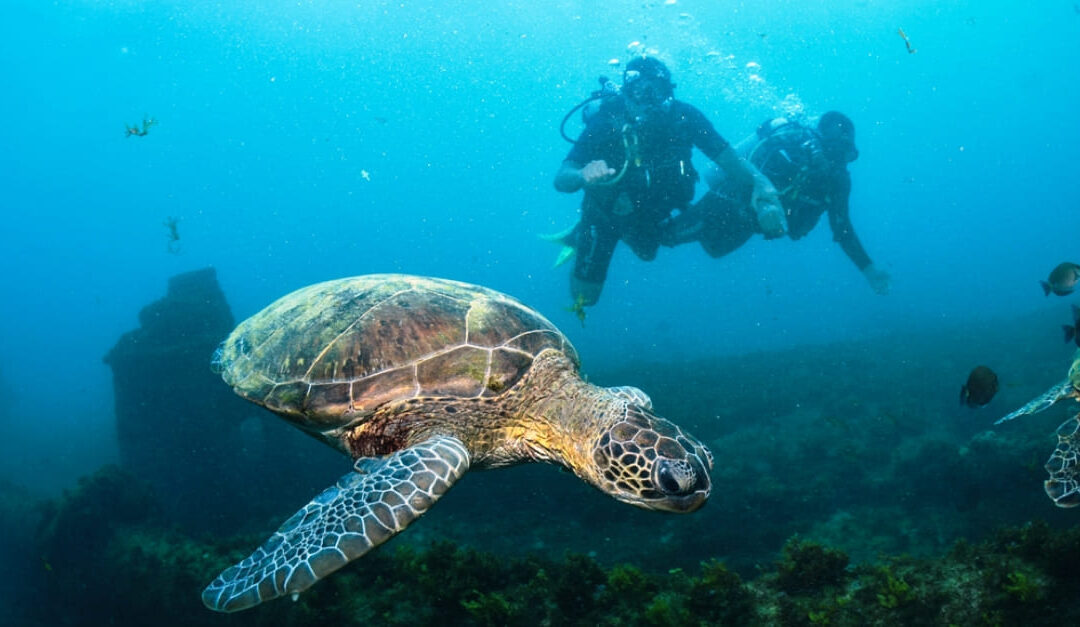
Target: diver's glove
771	220
878	279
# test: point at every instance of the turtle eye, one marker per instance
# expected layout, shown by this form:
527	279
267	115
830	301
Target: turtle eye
674	477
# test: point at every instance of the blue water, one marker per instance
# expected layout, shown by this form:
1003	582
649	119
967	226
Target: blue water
303	141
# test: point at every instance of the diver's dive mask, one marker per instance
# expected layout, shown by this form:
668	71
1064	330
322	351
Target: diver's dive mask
648	92
646	98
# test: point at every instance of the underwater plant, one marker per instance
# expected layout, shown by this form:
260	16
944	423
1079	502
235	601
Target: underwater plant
894	591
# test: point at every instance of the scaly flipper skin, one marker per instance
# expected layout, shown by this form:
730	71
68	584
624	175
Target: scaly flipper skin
632	395
361	511
1063	486
1060	391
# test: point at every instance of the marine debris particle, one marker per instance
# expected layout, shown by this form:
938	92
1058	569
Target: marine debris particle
172	225
137	131
907	42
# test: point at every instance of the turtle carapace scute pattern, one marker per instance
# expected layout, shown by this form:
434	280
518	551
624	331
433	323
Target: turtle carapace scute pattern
419	380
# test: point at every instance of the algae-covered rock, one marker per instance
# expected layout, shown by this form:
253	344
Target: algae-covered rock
808	566
114	560
184	432
169	405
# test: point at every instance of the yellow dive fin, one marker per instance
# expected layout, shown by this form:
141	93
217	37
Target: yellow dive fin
564	238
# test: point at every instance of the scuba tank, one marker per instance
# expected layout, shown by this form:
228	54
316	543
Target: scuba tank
788	153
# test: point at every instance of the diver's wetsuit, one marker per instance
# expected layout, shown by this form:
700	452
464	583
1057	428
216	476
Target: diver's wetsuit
808	188
659	177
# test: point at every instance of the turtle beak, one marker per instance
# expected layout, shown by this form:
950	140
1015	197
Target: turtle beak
687	504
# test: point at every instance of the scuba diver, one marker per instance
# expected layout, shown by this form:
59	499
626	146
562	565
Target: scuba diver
633	161
808	164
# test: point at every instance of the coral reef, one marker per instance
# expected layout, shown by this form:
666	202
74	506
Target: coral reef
114	560
850	489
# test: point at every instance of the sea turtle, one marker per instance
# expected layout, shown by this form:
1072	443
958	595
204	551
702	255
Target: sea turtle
419	379
1063	486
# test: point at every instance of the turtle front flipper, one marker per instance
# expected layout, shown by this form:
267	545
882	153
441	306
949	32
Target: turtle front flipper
361	511
1063	486
1062	390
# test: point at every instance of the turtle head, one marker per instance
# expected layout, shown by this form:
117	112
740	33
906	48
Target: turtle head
647	461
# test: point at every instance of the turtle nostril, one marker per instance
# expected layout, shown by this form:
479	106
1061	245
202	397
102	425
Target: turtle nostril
675	477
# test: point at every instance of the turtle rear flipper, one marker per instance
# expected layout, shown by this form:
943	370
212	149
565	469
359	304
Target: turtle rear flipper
361	511
1063	486
1060	391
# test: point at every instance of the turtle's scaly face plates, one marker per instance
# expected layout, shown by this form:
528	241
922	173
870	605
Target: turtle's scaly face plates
647	461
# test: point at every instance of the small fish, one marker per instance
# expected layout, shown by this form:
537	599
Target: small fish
907	42
1072	332
981	386
1062	280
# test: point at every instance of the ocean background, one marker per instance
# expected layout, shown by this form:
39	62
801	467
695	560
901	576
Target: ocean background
297	142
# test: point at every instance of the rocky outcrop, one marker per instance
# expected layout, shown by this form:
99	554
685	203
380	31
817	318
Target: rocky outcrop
169	405
211	457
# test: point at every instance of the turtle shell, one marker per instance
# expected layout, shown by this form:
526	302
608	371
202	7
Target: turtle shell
329	354
1074	370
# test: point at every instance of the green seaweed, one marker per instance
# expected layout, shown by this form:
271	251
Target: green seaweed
894	592
1024	586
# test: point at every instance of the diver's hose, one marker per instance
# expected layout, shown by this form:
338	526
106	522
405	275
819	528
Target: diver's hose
578	107
626	130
